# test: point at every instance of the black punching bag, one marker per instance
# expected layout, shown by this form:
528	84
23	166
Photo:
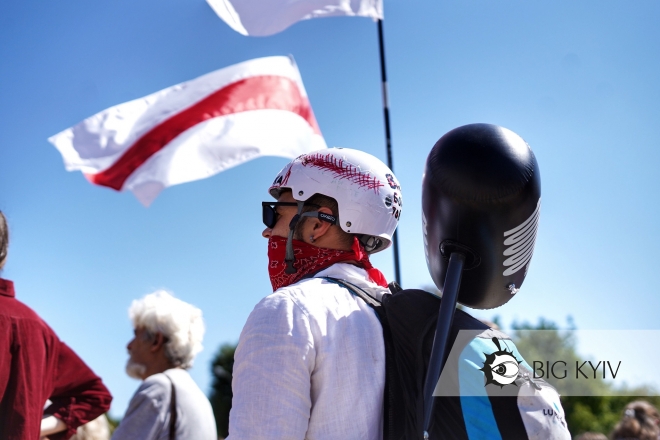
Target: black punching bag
481	196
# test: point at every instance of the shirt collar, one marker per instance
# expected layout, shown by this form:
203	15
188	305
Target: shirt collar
6	288
348	272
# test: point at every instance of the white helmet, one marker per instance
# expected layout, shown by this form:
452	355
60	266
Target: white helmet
367	193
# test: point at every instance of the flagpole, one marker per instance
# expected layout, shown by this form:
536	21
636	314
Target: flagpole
388	140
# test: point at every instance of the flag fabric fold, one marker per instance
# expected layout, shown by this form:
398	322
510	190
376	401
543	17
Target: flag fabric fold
267	17
195	129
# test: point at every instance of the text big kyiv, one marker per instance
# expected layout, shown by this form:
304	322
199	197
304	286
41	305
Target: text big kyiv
583	370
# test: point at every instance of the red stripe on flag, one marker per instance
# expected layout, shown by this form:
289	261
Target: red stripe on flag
255	93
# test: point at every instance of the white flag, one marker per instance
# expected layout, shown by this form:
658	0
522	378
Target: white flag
195	129
267	17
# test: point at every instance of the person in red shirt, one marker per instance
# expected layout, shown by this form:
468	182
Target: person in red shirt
36	366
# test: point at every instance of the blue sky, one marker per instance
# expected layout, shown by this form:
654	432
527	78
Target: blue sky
576	79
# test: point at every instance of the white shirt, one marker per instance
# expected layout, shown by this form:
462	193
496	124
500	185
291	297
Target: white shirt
310	364
148	413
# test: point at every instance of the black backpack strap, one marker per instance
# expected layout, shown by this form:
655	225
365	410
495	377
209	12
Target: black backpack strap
172	410
357	291
391	382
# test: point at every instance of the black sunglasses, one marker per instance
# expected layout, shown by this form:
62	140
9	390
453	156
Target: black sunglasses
270	216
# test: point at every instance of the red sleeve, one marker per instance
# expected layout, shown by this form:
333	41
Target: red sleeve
78	395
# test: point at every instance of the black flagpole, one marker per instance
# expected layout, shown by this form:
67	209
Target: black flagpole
388	141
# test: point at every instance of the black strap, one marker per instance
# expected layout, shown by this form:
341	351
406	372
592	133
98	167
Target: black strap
172	410
356	290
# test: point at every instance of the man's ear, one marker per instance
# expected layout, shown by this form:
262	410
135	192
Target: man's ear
158	342
321	227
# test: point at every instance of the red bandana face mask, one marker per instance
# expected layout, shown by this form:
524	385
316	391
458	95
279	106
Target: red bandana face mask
311	259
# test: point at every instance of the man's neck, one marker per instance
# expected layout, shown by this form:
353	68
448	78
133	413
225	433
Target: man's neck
161	367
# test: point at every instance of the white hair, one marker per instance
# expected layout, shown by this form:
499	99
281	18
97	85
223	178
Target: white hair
178	321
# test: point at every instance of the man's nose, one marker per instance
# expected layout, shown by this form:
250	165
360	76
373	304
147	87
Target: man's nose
267	233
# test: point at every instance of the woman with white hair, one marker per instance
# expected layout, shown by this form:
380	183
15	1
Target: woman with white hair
168	404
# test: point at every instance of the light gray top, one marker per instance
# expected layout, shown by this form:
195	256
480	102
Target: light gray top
148	413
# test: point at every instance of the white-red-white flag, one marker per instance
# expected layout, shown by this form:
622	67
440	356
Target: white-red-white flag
267	17
195	129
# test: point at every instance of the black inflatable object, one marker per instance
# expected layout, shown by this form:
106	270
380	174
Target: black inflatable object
481	196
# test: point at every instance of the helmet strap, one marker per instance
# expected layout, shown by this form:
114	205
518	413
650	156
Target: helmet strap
290	259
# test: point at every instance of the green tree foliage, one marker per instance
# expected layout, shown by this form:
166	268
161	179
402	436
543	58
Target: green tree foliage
603	406
112	422
222	369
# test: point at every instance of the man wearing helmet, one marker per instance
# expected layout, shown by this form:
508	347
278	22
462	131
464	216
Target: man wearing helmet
310	362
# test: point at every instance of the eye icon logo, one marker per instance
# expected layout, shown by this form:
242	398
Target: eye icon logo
501	368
